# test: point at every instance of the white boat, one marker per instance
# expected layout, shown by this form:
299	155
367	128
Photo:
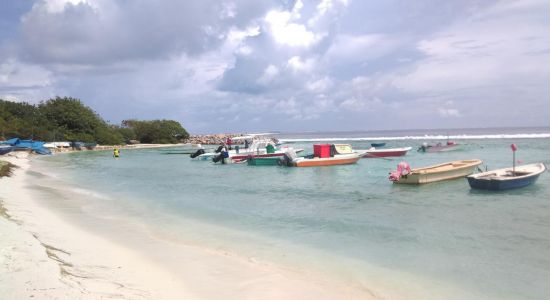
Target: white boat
445	171
259	147
325	155
54	145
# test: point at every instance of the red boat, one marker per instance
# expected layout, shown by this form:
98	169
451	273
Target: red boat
390	152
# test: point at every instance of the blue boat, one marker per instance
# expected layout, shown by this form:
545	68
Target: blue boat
378	145
507	178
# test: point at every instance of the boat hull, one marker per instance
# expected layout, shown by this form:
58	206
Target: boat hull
329	161
266	155
386	152
501	182
264	161
448	171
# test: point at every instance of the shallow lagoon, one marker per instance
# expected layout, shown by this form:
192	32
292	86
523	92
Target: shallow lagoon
348	222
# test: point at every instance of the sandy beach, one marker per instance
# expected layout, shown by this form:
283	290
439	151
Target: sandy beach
46	256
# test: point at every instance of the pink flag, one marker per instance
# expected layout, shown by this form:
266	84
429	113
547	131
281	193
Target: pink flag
514	147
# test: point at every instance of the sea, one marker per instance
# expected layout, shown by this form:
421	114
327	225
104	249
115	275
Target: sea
346	223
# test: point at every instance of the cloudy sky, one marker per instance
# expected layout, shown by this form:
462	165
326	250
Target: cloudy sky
285	65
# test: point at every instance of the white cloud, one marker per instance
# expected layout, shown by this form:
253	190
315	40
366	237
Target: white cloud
358	48
327	5
320	85
286	30
15	74
269	75
56	6
297	64
448	112
355	104
494	48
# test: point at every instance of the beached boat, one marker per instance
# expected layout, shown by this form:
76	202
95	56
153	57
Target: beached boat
390	152
90	146
507	178
445	171
439	147
378	145
5	149
324	155
58	145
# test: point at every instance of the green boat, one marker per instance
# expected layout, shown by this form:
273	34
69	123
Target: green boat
263	161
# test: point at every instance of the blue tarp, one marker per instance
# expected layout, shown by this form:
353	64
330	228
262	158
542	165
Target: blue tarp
36	146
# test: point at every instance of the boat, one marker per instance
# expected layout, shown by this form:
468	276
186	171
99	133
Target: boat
5	149
90	146
507	178
59	145
259	147
378	145
77	145
263	161
390	152
324	155
445	171
439	147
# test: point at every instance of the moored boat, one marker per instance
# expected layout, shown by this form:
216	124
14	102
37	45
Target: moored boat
439	147
324	155
445	171
390	152
378	145
263	161
507	178
259	147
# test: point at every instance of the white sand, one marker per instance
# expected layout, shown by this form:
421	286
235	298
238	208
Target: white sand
44	256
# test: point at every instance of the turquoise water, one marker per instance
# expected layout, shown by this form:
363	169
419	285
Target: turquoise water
348	222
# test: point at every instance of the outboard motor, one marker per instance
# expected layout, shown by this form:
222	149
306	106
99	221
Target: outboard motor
218	158
288	158
199	152
403	169
423	148
219	149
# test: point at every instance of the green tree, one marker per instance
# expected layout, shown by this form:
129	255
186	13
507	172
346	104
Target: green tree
157	131
77	122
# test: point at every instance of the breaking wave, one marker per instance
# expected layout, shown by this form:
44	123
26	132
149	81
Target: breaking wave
423	137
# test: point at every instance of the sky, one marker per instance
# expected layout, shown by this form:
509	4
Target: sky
288	66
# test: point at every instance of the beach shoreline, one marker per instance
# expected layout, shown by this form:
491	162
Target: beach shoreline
43	255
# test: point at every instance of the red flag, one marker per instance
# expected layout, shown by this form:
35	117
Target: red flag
514	147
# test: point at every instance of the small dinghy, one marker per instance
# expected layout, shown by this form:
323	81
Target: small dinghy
507	178
378	145
445	171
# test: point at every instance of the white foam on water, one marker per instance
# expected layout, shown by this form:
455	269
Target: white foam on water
425	137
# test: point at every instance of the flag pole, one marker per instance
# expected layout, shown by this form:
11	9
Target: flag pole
514	164
514	148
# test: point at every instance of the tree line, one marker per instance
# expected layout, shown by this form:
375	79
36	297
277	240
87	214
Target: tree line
68	119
